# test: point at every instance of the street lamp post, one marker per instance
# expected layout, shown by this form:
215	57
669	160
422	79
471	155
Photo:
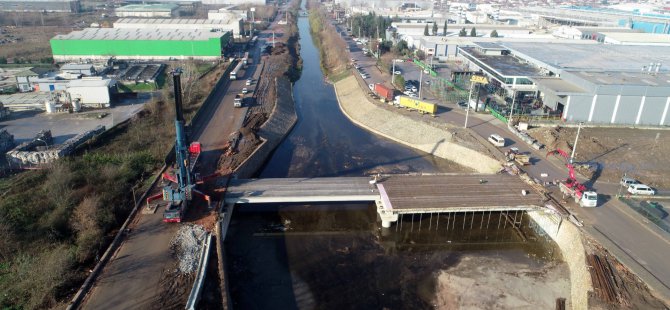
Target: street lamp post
467	109
421	84
511	111
574	146
393	72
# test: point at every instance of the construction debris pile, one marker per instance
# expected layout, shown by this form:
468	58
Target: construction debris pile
37	151
186	246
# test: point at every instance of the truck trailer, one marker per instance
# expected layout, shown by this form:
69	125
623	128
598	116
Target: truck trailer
422	106
383	92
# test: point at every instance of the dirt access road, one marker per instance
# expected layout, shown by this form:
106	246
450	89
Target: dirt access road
131	280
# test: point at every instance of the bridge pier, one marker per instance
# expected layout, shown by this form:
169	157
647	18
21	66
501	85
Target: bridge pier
386	216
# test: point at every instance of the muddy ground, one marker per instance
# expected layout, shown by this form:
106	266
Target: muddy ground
640	153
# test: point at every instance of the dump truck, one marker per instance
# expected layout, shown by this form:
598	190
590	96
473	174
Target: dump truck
421	106
383	92
238	100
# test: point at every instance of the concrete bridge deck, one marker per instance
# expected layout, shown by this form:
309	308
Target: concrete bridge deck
457	193
291	190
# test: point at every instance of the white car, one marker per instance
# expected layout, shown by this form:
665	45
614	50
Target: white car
626	182
245	90
641	189
397	73
497	140
249	81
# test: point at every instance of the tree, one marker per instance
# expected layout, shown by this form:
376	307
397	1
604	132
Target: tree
473	32
420	54
425	30
494	34
444	29
434	28
463	33
399	81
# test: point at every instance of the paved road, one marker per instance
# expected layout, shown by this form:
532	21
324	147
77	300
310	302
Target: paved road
131	278
638	244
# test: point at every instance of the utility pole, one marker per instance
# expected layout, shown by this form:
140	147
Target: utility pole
253	19
420	84
511	111
574	147
467	110
273	39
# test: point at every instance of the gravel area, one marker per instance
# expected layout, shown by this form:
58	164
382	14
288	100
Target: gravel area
186	246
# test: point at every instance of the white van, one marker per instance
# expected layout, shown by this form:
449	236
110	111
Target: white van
625	182
497	140
641	189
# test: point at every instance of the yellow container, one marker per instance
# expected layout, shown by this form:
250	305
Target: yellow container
418	105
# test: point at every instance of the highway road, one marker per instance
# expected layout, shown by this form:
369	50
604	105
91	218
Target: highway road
131	278
637	243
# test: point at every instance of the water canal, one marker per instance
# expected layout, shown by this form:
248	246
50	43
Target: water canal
336	256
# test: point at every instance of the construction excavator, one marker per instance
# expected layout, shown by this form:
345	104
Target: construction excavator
573	188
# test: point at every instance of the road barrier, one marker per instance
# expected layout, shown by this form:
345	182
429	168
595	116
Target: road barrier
194	297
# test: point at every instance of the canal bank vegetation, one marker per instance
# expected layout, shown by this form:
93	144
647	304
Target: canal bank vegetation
332	48
56	222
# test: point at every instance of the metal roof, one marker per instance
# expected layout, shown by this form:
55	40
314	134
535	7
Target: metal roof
90	83
140	34
161	7
76	67
599	57
625	78
628	37
505	65
174	21
557	85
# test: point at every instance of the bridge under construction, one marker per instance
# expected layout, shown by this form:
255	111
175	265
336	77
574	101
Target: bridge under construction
396	194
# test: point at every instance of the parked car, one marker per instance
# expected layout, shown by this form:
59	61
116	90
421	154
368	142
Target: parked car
249	81
462	104
414	89
641	189
628	181
397	72
497	140
245	90
412	95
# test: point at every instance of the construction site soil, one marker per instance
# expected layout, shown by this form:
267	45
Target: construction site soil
640	153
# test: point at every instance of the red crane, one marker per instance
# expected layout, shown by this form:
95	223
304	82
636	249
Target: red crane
571	182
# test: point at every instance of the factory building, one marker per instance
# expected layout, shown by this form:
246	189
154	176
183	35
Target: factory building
231	24
94	92
598	84
135	43
234	2
69	6
147	10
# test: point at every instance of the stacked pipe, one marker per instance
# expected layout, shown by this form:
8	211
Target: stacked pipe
603	279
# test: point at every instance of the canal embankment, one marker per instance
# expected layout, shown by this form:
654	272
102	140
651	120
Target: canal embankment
569	239
430	138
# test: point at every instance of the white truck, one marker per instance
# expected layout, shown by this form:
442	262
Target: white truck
585	199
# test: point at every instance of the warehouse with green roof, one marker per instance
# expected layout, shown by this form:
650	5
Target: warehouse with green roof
141	44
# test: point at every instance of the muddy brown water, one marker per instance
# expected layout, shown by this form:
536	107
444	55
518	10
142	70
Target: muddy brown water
336	256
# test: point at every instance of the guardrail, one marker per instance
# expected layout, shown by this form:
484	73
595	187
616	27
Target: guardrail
194	297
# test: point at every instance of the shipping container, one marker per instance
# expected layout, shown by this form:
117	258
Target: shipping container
417	105
384	92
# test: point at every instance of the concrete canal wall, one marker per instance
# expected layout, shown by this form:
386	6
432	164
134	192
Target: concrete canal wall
413	133
568	238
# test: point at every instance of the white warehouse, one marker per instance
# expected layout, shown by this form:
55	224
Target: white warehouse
232	24
94	92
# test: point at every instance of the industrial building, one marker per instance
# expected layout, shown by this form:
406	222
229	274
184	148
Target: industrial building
235	2
69	6
94	92
147	10
602	84
232	24
83	69
25	79
135	43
